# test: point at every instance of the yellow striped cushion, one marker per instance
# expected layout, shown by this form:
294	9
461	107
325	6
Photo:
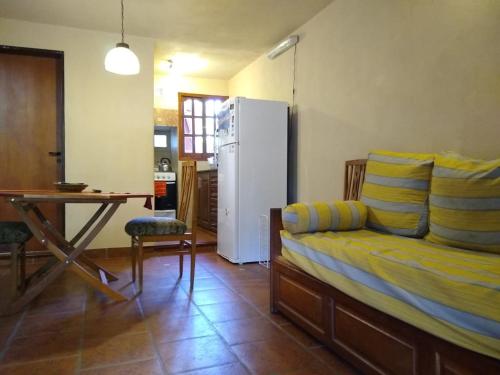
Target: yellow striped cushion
396	191
465	203
322	216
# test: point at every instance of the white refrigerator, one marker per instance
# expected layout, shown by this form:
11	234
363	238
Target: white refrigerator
252	173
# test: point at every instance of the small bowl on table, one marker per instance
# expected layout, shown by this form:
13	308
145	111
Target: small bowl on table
69	187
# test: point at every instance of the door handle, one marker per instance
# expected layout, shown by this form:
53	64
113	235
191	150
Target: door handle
55	153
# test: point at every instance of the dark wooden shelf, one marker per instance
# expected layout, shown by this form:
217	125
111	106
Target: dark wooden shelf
207	200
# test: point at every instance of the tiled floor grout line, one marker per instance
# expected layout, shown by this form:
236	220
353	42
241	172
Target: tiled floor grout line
111	365
246	300
146	322
214	330
213	324
242	289
307	349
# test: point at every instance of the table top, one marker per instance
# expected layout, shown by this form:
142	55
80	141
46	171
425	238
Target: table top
56	195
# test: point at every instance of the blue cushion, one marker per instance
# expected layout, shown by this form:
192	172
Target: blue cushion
154	226
14	232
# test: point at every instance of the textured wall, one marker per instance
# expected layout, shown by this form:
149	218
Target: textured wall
402	75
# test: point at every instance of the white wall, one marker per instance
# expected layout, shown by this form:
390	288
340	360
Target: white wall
108	118
401	75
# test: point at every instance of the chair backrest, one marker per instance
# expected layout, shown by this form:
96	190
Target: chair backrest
189	193
354	178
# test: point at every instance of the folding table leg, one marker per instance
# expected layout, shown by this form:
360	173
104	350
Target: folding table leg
68	256
68	246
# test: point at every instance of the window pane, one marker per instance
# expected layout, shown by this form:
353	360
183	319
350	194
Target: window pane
198	142
188	107
217	105
160	140
209	125
188	145
198	107
209	107
210	145
188	126
198	126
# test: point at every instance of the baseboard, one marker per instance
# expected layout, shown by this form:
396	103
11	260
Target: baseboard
116	252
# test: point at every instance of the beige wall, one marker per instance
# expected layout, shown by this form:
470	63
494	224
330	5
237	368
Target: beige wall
108	118
168	86
402	75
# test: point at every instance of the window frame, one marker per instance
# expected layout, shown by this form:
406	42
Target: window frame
182	96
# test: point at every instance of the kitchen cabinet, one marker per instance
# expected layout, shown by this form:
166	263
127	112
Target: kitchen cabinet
207	200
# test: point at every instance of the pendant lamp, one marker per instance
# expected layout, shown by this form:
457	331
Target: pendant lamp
121	59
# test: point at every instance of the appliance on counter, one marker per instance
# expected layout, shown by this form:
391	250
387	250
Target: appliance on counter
165	194
252	173
165	165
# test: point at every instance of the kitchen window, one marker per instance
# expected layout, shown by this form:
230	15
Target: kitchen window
197	125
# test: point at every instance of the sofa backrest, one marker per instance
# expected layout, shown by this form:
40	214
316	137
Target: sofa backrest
354	178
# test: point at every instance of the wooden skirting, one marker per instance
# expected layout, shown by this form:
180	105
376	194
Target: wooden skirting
116	252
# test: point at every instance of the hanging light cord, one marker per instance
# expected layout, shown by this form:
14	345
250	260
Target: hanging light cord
293	79
123	30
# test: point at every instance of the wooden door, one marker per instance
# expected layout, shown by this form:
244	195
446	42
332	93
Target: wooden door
31	126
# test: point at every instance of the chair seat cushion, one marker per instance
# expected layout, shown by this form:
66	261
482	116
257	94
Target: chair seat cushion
154	226
14	232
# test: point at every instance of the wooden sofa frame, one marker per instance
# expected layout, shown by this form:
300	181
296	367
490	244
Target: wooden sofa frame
370	340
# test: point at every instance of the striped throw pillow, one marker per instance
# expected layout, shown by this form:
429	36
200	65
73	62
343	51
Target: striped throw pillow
396	192
322	216
465	203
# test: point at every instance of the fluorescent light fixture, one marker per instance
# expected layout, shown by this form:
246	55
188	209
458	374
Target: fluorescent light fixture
283	46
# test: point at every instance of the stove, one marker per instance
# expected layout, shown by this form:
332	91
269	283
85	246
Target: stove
165	194
164	176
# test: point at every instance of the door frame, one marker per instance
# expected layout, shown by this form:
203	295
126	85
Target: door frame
59	57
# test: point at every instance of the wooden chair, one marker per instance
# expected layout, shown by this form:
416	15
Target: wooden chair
354	178
159	229
13	238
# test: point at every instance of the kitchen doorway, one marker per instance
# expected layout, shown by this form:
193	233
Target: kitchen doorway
31	126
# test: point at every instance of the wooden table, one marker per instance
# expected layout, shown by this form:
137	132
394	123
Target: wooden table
68	254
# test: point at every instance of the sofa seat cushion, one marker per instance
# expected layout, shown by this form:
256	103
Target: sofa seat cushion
465	203
154	226
449	292
322	216
14	232
396	192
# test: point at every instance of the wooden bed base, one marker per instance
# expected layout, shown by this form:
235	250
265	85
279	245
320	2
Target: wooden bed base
370	340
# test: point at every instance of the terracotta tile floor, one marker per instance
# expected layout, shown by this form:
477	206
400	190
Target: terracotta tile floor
223	327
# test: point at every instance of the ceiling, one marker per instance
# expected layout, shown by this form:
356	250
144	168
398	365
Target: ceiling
229	34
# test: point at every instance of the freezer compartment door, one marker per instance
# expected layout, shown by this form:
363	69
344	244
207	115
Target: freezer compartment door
227	122
227	211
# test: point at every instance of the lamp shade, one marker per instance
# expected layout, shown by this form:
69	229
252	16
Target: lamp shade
121	60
